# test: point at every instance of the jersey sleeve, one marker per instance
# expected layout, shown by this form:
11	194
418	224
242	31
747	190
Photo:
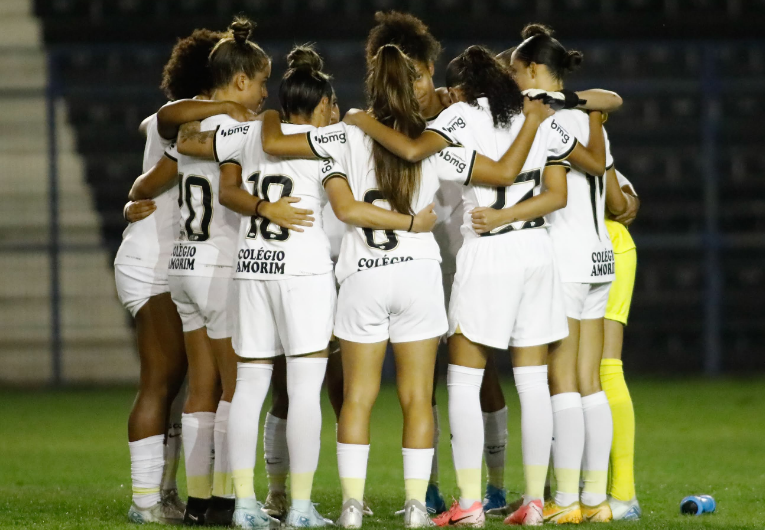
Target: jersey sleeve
329	142
623	181
172	152
228	143
560	142
448	124
609	156
330	169
455	164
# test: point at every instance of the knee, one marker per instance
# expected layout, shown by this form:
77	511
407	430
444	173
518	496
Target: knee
416	399
359	399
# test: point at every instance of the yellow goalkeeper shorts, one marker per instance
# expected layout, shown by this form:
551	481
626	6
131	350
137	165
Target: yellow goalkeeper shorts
625	256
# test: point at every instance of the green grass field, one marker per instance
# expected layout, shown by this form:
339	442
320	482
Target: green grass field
64	461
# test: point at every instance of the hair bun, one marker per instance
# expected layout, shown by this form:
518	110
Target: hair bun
535	29
241	29
573	60
305	57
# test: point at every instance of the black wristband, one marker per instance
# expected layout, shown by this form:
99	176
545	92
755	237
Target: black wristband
572	100
411	223
257	206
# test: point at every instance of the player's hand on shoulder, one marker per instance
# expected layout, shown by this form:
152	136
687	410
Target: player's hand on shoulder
353	116
536	107
285	215
485	219
425	219
444	97
137	210
239	112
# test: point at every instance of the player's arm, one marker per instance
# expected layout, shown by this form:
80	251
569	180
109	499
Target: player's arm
193	142
599	99
592	158
411	149
633	201
137	210
173	115
276	143
234	197
553	197
616	199
359	213
503	172
159	178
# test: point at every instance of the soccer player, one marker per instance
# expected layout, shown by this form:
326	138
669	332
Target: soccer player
485	117
621	480
582	418
142	285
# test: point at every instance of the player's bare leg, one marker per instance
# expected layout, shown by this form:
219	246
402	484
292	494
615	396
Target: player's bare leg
335	378
199	422
163	367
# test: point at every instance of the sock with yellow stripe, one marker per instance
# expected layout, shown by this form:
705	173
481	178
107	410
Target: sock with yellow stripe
146	463
352	466
198	428
466	424
536	427
622	474
275	453
252	382
568	445
304	379
598	433
417	464
223	485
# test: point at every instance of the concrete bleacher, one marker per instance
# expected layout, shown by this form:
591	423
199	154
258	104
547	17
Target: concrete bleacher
97	341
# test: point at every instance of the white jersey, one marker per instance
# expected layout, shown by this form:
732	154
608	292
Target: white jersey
364	248
582	245
149	242
473	127
266	251
206	231
624	181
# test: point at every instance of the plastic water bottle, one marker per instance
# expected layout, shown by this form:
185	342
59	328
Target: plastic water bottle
697	504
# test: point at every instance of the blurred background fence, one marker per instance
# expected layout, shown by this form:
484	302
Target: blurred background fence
78	76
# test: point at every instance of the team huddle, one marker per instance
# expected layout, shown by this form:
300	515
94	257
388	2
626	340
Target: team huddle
280	249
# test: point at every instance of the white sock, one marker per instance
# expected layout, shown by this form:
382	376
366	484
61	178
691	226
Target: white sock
275	453
494	444
252	382
223	486
146	462
536	427
466	424
352	466
599	432
173	443
568	445
436	437
417	464
304	379
198	428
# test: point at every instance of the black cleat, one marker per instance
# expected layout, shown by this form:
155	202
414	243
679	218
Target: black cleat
220	512
195	511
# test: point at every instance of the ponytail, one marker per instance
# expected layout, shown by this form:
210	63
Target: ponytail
390	92
479	74
304	84
236	53
540	47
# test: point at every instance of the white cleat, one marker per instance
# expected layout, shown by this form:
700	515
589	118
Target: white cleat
625	510
162	513
309	519
416	515
249	514
351	514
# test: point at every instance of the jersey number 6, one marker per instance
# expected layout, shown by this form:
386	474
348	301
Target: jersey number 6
387	238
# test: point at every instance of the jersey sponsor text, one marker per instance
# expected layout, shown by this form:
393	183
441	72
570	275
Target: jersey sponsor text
260	261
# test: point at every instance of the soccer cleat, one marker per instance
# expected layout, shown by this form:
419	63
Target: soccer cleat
351	514
162	513
249	514
562	515
494	498
597	514
171	498
196	509
309	519
276	505
456	516
220	511
625	510
434	501
530	514
416	515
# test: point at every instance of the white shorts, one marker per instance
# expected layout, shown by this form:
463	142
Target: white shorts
402	302
292	316
202	302
586	300
135	285
507	291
